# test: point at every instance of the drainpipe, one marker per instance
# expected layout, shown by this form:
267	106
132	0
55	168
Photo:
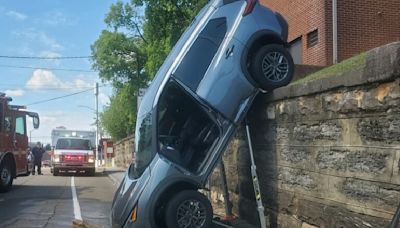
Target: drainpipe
334	31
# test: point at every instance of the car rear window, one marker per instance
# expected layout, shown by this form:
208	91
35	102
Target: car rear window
197	60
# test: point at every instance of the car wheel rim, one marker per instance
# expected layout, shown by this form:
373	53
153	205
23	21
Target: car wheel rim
5	176
191	213
275	66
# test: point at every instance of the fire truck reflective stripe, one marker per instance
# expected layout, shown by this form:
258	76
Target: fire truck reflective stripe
77	208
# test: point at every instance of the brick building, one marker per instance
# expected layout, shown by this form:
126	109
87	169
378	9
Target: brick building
361	25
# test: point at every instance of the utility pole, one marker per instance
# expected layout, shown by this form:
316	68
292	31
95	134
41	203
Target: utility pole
334	32
96	93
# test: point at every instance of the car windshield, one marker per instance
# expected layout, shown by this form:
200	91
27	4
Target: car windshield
143	144
74	144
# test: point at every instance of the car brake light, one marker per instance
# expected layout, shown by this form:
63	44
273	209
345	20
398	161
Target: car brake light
249	7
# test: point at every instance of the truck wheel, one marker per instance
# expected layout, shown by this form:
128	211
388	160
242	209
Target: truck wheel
90	172
55	172
189	209
6	178
272	67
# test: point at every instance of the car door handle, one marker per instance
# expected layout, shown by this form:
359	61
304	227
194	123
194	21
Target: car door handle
229	52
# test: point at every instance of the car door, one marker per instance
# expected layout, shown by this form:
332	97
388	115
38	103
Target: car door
3	137
20	142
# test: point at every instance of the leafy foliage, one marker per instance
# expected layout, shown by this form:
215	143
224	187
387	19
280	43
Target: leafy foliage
119	117
139	37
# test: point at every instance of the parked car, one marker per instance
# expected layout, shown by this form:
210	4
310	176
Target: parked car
232	50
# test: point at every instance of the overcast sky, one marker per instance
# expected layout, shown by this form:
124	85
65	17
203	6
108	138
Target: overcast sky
52	28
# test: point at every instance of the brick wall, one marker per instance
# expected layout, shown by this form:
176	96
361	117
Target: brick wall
327	152
366	24
304	17
362	25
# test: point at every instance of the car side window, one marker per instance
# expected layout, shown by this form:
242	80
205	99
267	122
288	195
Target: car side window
197	60
7	124
186	134
20	125
1	117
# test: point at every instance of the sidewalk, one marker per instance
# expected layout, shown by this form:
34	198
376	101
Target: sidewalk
114	173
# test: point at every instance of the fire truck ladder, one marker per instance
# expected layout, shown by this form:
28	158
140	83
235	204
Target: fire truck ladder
256	184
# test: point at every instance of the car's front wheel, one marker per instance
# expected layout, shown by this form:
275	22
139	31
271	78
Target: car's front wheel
272	67
189	209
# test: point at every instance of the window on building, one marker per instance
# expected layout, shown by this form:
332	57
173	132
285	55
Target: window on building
312	38
296	50
20	125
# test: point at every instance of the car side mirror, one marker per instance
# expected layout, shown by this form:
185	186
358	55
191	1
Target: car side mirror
36	122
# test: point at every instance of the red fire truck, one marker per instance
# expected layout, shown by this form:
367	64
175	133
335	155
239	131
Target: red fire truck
13	141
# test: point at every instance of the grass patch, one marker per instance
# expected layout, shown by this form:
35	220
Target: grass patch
353	63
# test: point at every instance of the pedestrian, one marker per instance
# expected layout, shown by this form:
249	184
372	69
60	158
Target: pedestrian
37	152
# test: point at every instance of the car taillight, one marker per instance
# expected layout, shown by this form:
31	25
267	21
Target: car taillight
249	7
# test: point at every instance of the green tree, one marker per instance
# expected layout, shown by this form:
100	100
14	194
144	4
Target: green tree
128	53
119	117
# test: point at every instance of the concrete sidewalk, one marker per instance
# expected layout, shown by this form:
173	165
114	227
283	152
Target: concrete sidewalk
115	174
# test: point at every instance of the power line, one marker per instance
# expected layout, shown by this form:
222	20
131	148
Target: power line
57	98
40	57
61	97
47	68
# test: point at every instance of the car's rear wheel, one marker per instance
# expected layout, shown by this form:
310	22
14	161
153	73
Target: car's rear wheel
6	178
189	209
272	67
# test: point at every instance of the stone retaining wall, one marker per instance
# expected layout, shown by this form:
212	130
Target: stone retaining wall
123	150
327	152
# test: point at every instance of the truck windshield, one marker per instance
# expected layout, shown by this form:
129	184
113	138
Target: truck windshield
74	144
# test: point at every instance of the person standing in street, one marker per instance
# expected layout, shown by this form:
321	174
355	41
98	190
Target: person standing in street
37	152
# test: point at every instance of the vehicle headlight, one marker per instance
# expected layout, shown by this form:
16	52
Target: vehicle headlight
91	159
56	158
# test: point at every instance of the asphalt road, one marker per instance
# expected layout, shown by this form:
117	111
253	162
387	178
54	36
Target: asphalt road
48	201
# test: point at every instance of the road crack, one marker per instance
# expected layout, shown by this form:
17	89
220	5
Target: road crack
56	205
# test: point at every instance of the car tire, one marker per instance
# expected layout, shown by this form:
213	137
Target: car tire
6	178
189	206
272	67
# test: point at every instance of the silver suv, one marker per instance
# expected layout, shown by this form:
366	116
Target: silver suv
232	50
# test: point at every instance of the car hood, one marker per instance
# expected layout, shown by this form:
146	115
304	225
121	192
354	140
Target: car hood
127	196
